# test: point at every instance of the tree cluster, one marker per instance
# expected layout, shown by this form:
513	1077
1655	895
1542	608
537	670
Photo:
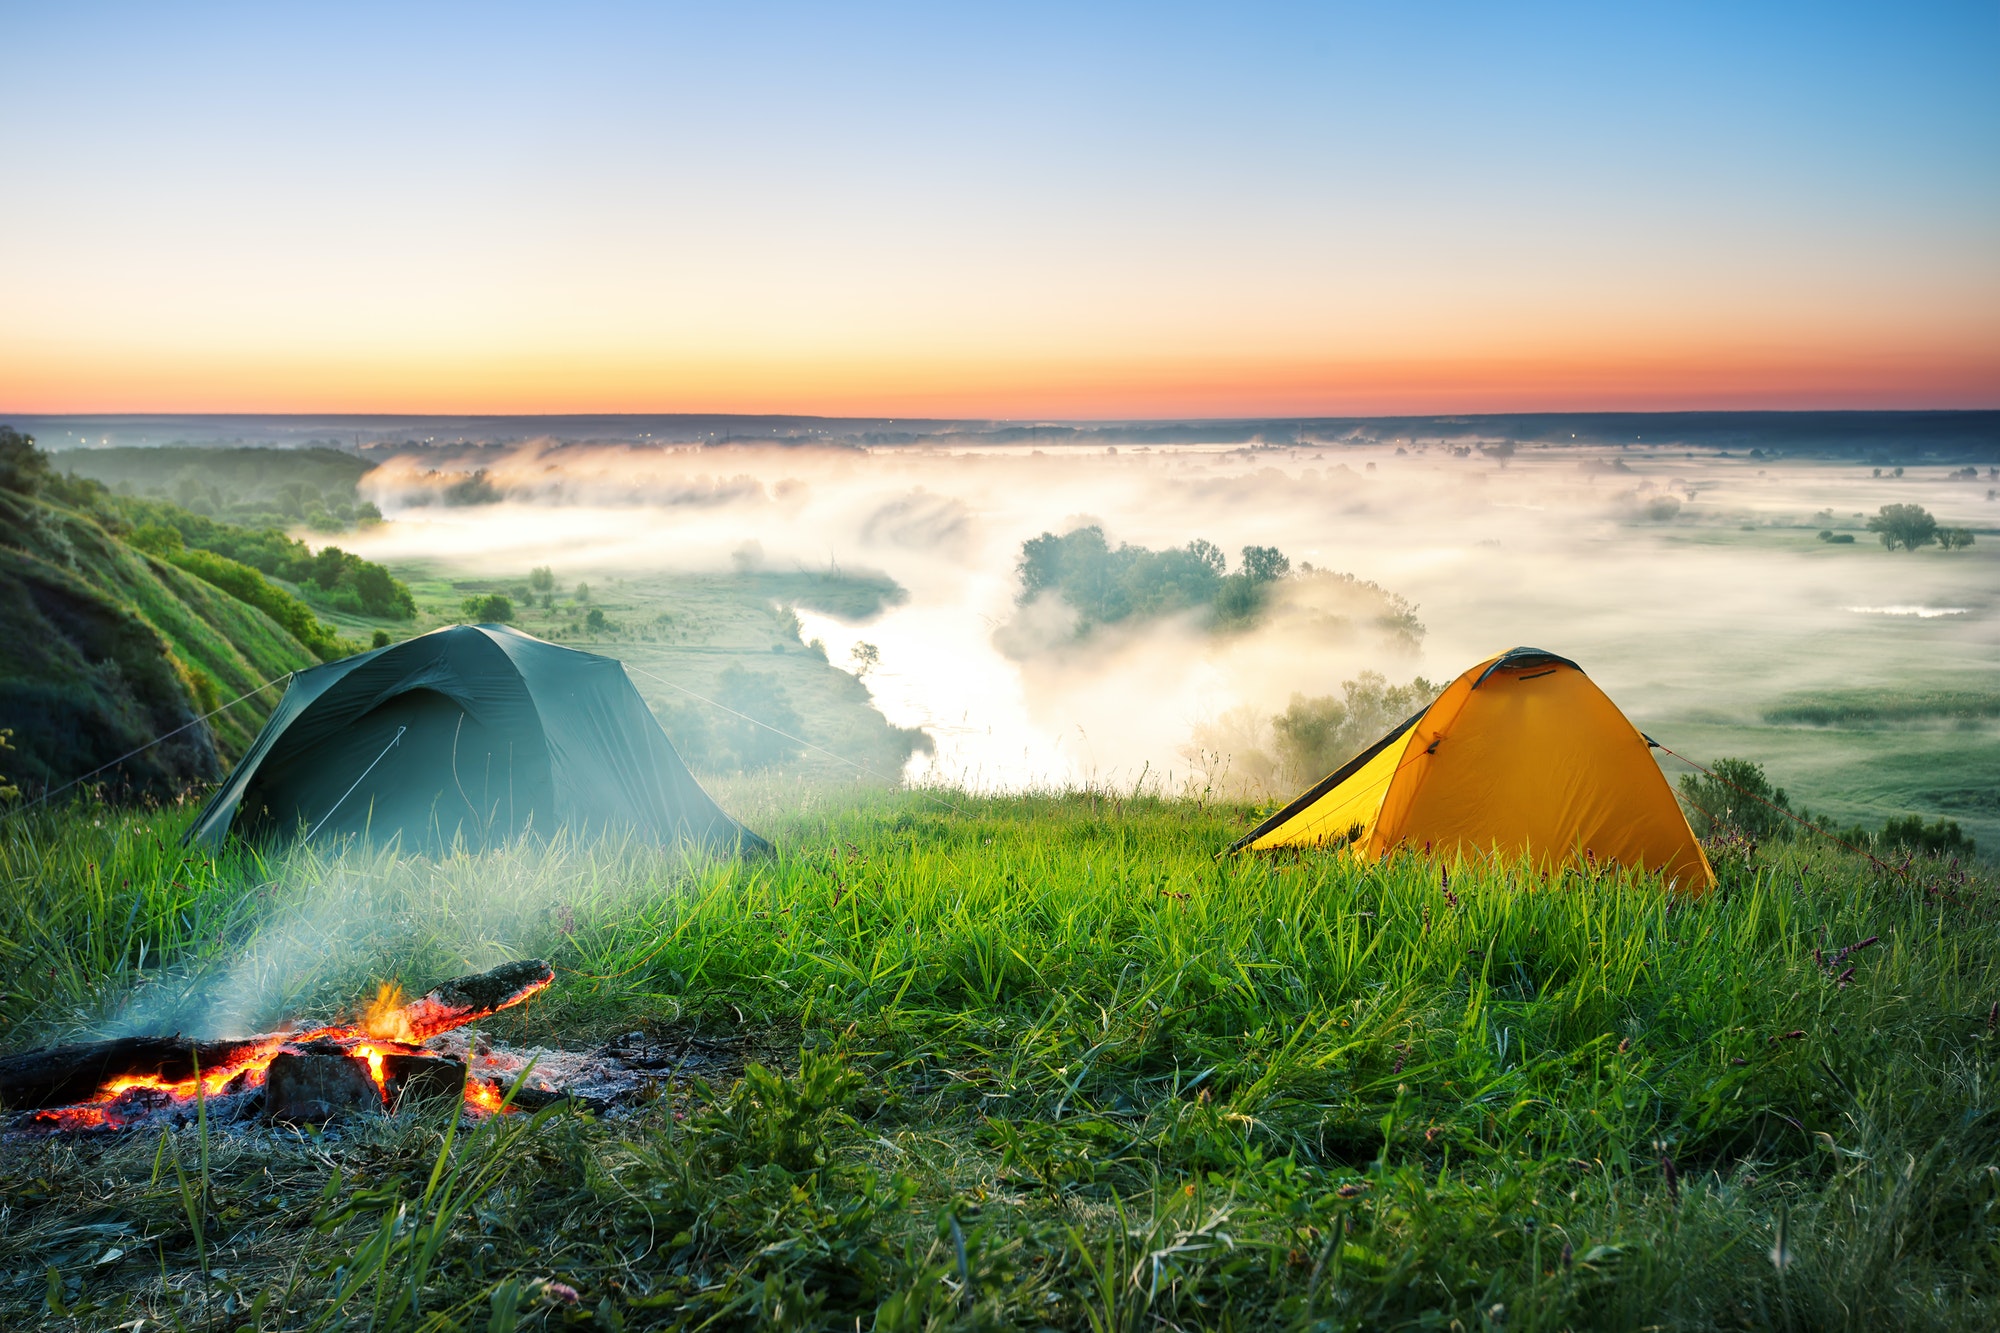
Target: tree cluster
1106	585
1910	526
1317	734
336	579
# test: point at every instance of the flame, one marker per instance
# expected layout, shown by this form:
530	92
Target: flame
387	1017
376	1060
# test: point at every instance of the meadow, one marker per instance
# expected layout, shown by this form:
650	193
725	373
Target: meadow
1037	1061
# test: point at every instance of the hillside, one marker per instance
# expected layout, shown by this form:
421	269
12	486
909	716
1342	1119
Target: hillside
103	647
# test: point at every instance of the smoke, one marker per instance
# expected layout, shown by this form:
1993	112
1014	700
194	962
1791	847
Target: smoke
1690	585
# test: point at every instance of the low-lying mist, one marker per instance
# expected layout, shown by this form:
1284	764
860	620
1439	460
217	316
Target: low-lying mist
1692	585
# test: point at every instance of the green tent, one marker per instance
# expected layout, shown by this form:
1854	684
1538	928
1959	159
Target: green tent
473	732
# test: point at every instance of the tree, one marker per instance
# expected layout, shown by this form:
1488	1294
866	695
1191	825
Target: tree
1907	526
866	658
23	467
542	579
1954	539
1265	564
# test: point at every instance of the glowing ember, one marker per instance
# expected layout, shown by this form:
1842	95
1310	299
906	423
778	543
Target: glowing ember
484	1097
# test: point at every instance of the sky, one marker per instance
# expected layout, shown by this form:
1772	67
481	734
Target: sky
1054	212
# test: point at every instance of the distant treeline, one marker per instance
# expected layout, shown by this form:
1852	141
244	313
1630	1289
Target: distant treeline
313	487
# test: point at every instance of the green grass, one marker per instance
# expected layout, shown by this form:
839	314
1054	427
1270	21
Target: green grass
1042	1062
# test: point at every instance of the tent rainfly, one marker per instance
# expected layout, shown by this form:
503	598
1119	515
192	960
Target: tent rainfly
1522	756
473	732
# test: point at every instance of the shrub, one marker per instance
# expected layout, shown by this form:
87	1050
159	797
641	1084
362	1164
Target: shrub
1954	539
1737	799
493	608
1938	839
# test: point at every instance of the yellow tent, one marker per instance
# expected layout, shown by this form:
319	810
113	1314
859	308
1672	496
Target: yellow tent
1520	756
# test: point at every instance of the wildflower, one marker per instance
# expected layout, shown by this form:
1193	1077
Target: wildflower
561	1291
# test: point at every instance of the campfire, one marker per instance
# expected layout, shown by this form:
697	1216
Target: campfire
396	1054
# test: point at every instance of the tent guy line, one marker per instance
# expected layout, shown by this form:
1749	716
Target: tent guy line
168	735
357	782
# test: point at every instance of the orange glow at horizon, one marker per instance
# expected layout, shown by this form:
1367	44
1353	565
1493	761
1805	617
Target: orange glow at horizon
1003	387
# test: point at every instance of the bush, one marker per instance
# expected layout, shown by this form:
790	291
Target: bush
1954	539
1939	839
1738	799
1907	526
492	609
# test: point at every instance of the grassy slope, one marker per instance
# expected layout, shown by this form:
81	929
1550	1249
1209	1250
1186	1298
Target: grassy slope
183	643
1148	1090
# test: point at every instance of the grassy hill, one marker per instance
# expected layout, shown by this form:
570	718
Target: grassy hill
104	647
1040	1062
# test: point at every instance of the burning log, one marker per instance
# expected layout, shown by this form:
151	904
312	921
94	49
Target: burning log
61	1075
313	1085
308	1075
457	1002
